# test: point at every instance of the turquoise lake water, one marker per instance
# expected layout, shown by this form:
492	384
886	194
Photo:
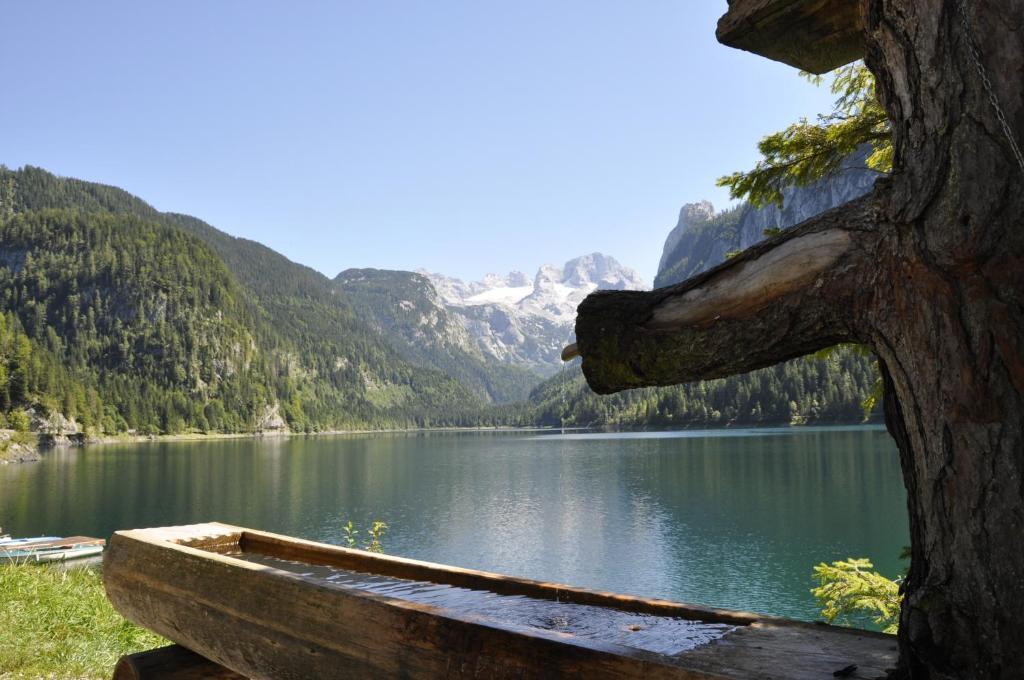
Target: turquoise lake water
729	518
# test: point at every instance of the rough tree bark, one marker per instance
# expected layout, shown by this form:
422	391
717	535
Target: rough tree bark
929	271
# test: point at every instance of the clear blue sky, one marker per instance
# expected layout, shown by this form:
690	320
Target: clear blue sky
461	136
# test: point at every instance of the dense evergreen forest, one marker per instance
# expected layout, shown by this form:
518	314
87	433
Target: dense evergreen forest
834	388
127	319
163	324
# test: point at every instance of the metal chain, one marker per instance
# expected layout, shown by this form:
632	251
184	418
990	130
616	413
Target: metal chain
972	46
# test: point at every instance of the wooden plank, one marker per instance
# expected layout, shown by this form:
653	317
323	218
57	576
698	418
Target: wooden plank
172	662
813	35
798	651
264	622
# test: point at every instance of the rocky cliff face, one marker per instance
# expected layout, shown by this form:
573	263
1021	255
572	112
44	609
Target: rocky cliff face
526	322
690	215
702	237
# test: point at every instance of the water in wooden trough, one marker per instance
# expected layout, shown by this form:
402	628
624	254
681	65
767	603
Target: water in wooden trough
659	634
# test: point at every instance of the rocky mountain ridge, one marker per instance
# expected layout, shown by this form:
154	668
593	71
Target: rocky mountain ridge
702	236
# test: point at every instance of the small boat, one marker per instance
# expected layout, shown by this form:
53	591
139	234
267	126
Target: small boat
52	554
7	542
50	549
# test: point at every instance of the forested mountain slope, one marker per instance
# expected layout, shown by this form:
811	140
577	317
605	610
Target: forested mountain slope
406	308
177	326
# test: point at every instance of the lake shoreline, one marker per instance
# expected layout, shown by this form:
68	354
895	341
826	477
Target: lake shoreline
38	450
31	453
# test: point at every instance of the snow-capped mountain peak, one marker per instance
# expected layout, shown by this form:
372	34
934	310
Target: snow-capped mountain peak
520	320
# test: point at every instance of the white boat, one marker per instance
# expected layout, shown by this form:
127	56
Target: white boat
50	549
6	541
61	555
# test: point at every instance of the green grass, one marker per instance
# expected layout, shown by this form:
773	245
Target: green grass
57	624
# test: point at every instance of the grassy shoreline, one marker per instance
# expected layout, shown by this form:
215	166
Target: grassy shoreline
58	623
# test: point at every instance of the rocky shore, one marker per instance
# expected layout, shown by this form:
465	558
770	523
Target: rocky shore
15	449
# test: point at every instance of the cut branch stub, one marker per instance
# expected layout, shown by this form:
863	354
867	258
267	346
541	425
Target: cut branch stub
781	299
813	35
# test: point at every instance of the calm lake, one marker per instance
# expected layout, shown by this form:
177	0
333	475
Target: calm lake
733	518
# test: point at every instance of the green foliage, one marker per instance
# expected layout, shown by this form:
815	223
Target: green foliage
806	151
33	377
871	402
18	420
376	534
350	534
377	531
59	624
851	588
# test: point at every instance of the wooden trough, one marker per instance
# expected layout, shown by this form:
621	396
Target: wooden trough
270	606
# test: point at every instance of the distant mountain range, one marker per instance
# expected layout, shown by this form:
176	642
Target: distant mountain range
526	322
116	317
406	310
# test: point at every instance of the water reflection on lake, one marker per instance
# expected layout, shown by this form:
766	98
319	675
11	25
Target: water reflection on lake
733	518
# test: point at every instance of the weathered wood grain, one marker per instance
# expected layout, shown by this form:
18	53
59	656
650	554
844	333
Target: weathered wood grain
813	35
267	623
755	283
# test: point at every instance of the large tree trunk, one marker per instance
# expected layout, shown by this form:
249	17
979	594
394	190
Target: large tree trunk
928	271
947	321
